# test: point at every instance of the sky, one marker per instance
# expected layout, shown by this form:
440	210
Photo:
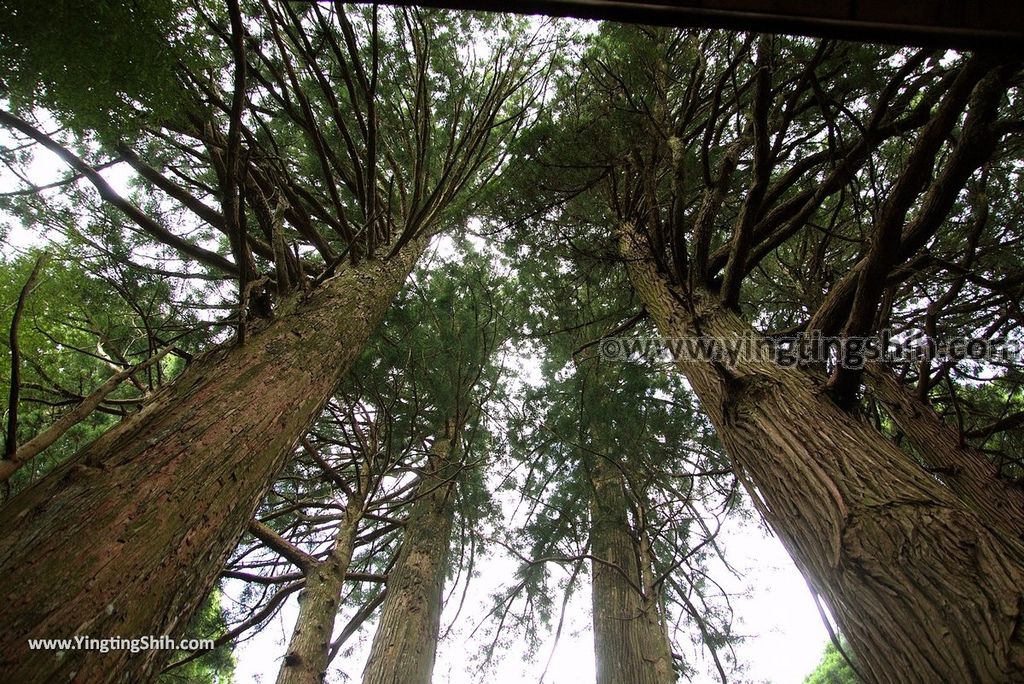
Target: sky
785	634
772	605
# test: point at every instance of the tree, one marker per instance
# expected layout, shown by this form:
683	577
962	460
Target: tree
619	477
768	205
631	641
880	539
137	525
454	375
309	648
405	642
366	479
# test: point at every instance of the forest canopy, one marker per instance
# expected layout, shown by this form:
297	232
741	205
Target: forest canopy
390	327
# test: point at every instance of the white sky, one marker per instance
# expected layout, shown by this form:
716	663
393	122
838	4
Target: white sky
786	635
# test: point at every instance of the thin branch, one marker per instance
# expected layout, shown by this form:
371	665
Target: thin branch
109	195
11	445
47	437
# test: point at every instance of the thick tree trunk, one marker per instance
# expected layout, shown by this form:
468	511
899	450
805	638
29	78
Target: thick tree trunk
405	643
923	589
966	471
630	635
126	539
305	661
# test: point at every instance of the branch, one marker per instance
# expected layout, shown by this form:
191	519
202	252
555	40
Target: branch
193	203
889	246
1003	424
882	253
353	625
109	195
282	546
705	632
47	437
262	579
761	174
328	469
704	223
617	330
233	202
11	444
73	178
272	605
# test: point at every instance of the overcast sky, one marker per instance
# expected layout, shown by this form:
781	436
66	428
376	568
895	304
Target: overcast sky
785	635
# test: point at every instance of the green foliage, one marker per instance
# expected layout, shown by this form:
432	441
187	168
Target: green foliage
45	337
438	355
95	65
76	329
213	667
833	669
627	119
634	414
999	400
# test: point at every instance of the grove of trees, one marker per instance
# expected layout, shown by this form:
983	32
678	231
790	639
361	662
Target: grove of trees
319	305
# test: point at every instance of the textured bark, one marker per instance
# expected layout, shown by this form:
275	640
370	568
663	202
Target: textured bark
126	538
305	661
970	474
405	643
923	589
631	642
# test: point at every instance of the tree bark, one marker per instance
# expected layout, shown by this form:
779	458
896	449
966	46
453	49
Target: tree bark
966	471
126	539
405	643
305	661
631	641
923	588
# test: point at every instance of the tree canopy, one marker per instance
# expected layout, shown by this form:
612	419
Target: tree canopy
318	309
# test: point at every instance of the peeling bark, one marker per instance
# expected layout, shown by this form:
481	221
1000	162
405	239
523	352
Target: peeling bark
127	537
923	588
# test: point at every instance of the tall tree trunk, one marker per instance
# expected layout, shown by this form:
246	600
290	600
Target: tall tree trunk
970	474
405	643
305	661
923	589
126	539
630	636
